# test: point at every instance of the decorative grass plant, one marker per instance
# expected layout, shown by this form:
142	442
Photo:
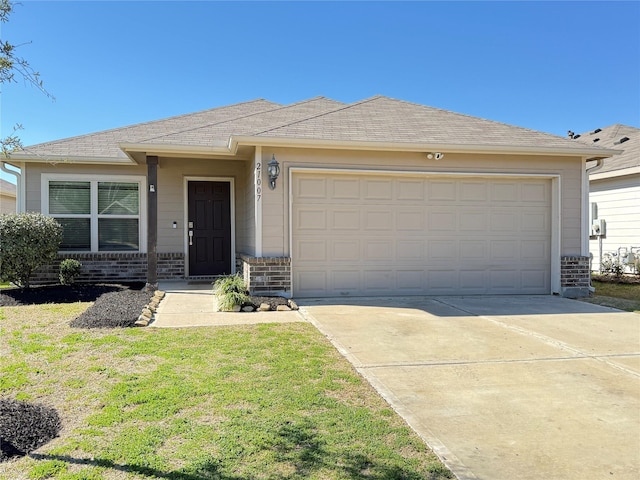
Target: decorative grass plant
230	291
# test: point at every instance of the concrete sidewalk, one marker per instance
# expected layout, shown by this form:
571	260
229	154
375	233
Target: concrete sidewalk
191	304
502	387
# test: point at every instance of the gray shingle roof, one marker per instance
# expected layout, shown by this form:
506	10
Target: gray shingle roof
609	137
377	120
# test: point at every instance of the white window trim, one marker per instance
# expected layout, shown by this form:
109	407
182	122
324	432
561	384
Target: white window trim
94	180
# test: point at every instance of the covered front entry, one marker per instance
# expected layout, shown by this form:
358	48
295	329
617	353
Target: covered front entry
367	233
209	228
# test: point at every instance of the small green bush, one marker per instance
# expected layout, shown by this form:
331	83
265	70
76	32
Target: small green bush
230	290
69	271
27	241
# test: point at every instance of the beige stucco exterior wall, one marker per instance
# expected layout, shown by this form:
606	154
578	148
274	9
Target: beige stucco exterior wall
7	203
171	190
172	197
276	202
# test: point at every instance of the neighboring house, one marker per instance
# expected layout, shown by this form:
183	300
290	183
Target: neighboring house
377	197
614	196
7	197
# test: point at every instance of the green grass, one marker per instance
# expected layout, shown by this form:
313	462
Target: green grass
269	402
624	296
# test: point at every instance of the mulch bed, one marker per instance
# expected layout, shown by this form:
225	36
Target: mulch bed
609	278
115	305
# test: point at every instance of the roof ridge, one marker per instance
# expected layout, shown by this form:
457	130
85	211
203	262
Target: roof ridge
343	107
279	107
149	122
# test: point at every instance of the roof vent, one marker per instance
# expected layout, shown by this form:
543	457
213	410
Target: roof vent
622	140
577	135
597	130
596	140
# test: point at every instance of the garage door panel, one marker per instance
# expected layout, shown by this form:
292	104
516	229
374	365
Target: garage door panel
311	188
442	280
311	282
378	281
473	249
346	282
411	191
378	190
345	219
535	192
506	191
378	250
505	250
504	281
474	191
311	219
410	250
345	250
505	220
313	250
533	280
442	251
442	220
471	280
411	281
345	189
411	218
535	221
399	235
381	220
474	221
442	191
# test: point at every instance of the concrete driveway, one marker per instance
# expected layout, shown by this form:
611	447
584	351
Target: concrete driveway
502	387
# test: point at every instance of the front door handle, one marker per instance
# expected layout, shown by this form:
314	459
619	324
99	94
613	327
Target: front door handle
190	237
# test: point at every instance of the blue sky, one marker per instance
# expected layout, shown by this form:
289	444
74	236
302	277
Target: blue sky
549	66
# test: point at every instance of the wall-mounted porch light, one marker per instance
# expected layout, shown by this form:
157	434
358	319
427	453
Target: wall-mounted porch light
273	169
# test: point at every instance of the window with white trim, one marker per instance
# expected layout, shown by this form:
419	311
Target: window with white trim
97	215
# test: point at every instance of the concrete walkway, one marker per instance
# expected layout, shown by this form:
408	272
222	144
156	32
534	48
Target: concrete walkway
191	304
503	387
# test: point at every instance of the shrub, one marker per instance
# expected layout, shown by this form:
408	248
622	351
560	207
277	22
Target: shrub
24	427
27	240
230	290
612	266
69	271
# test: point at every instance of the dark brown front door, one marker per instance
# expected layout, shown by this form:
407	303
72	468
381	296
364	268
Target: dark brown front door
209	228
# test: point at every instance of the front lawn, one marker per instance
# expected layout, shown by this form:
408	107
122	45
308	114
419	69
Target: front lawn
624	296
246	402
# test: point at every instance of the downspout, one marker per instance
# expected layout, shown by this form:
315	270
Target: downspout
597	166
19	199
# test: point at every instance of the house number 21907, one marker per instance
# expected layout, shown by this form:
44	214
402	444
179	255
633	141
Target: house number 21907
258	181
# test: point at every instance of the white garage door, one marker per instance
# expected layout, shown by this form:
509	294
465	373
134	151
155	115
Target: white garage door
358	234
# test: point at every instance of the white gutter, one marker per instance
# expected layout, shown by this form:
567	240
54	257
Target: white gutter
230	149
585	209
235	141
19	196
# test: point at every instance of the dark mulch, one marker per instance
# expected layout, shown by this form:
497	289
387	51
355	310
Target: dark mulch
272	301
116	309
115	305
55	294
24	427
609	278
